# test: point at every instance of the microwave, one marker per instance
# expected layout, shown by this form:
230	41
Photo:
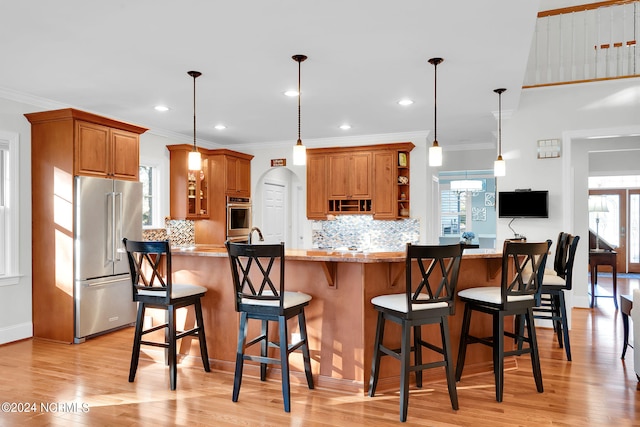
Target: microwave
238	217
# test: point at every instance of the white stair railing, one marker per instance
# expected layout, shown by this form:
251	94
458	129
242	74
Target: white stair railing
585	43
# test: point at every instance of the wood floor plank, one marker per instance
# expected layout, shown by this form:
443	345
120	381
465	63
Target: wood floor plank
54	384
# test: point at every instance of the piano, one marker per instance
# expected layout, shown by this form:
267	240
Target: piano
602	243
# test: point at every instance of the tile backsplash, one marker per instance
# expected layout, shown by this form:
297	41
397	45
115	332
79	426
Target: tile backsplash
360	231
181	233
363	232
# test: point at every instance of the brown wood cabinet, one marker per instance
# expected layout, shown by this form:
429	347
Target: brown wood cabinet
224	173
317	204
238	176
65	143
107	152
359	180
188	190
384	206
349	176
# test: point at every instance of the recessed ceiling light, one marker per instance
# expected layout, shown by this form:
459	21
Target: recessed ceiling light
405	102
345	127
220	127
291	93
161	108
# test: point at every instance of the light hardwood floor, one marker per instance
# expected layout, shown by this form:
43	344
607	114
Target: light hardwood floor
595	389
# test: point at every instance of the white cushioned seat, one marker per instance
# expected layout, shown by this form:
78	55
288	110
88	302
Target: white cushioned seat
398	302
491	295
178	290
552	279
291	299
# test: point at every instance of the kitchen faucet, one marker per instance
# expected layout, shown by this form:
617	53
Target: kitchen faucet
259	234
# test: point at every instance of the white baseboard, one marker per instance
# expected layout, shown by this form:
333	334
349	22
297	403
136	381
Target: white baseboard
16	332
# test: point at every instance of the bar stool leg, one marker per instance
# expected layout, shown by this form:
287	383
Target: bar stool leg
242	338
306	357
377	354
284	362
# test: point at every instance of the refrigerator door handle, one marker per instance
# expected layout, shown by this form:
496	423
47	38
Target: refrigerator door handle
117	229
110	227
101	282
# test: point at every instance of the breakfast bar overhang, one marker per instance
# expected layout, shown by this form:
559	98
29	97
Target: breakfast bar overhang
341	320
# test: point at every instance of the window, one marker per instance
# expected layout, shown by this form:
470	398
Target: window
467	208
149	179
9	216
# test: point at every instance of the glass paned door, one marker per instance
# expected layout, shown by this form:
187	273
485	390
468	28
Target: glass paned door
611	225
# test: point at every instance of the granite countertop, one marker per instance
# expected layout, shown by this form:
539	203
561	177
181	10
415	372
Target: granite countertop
332	255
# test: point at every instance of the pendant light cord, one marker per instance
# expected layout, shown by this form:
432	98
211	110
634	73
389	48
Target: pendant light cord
194	112
299	72
435	101
499	92
435	62
500	123
299	59
195	75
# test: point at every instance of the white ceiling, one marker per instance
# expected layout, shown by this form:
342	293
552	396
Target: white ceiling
121	58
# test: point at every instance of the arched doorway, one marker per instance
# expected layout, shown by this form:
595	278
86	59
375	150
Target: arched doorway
278	193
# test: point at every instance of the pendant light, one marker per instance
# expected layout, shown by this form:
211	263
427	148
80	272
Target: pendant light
435	151
499	166
299	150
195	159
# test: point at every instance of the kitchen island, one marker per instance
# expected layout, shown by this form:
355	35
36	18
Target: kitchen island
341	320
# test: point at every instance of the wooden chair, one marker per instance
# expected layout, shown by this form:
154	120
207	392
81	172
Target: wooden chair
522	270
265	299
150	267
551	297
428	299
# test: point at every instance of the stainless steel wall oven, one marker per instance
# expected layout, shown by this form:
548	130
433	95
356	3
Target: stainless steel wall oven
238	218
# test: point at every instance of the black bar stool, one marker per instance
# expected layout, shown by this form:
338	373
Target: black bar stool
428	299
266	300
150	267
515	297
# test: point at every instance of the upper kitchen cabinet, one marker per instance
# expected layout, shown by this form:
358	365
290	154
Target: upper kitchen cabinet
189	190
350	176
370	179
106	152
316	186
238	175
100	146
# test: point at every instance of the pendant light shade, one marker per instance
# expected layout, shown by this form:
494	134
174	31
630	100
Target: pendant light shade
299	150
499	166
435	151
195	159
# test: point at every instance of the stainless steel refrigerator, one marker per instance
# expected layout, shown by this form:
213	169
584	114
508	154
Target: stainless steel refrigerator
106	211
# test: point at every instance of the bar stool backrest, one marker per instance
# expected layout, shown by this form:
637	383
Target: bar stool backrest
560	259
150	269
439	267
258	274
524	276
572	244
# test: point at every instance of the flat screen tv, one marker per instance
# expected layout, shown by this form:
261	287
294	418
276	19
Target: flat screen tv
523	204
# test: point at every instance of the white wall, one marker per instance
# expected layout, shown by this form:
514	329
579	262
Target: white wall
571	113
606	163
